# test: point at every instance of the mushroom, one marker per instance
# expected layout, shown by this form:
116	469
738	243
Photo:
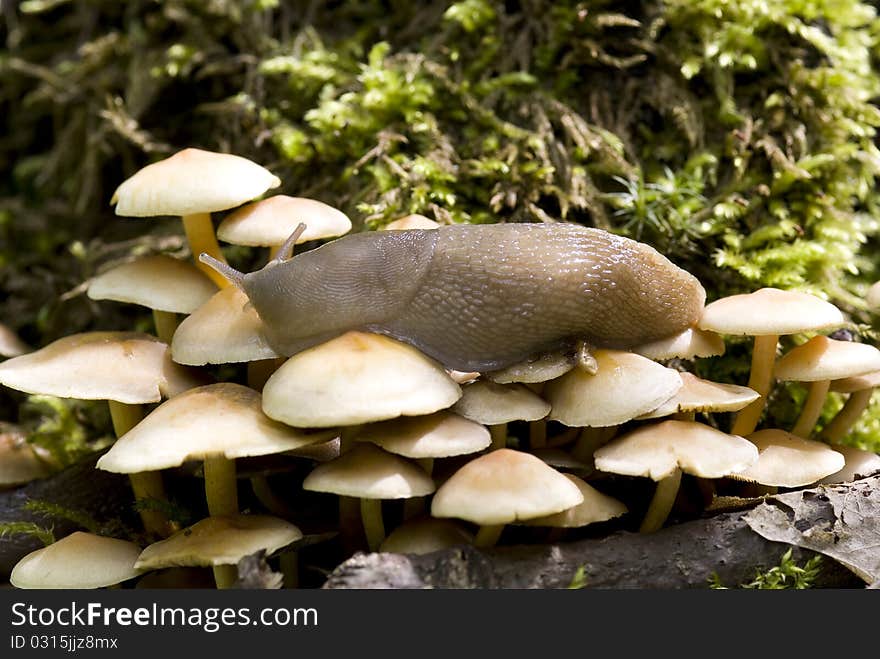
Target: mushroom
127	369
165	285
370	474
194	183
818	361
10	344
859	464
496	405
270	222
788	460
766	314
502	487
425	535
78	561
414	221
699	395
662	451
220	542
357	378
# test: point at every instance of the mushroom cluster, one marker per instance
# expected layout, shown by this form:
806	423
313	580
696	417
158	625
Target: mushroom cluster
363	443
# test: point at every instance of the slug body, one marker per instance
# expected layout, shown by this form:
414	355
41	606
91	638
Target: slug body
477	297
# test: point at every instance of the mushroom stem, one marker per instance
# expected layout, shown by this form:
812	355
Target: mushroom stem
812	408
221	488
225	576
839	426
374	527
661	503
147	484
201	238
488	535
498	433
538	434
760	380
166	323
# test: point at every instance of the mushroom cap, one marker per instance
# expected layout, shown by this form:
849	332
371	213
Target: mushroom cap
128	367
414	221
20	462
823	358
425	535
856	383
786	460
220	540
596	507
859	464
541	369
438	435
79	560
269	222
493	404
658	449
224	330
357	378
158	281
624	386
368	472
770	311
192	181
688	344
699	395
504	486
216	419
10	344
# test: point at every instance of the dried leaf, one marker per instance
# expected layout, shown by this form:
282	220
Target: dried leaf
841	522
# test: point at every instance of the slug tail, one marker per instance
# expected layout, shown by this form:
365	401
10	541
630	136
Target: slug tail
224	269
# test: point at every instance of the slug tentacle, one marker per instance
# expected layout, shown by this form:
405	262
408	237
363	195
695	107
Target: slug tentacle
224	269
285	252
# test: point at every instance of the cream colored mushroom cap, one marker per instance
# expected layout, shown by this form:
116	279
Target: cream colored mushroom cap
425	535
856	383
80	560
596	507
699	395
438	435
128	367
492	404
414	221
192	181
158	282
624	386
657	450
10	343
822	358
221	540
357	378
217	419
688	344
544	368
786	460
226	329
269	222
20	462
769	311
368	472
859	463
504	486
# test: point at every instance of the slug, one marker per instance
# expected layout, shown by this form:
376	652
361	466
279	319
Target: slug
474	297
